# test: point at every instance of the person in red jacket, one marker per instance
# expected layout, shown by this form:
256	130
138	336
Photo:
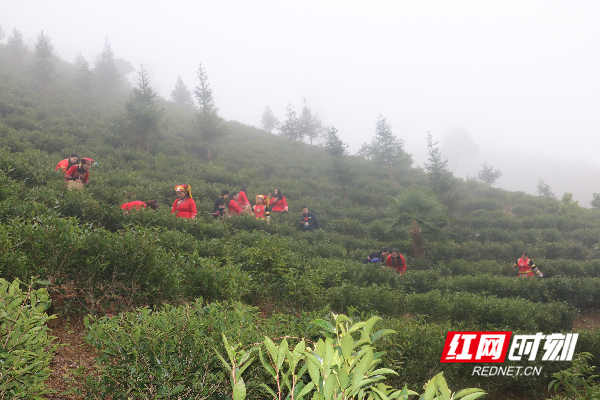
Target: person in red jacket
184	206
153	204
67	163
80	173
278	202
244	202
396	261
234	207
526	267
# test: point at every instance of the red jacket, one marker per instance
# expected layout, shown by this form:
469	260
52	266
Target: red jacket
279	205
62	165
184	208
398	263
234	207
243	200
133	204
73	174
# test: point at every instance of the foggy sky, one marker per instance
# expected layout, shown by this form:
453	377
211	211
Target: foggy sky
519	76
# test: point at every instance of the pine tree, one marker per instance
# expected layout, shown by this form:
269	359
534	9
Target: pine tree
595	203
385	147
43	61
290	128
208	123
105	69
338	156
16	46
2	33
544	190
143	113
440	177
85	75
181	94
268	120
487	174
311	126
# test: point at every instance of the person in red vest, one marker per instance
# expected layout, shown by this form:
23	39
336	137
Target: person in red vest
80	173
67	163
153	204
261	210
396	261
184	206
526	267
278	202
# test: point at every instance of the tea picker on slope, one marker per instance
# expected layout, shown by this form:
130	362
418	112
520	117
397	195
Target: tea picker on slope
526	267
309	220
219	208
396	261
79	175
184	206
378	256
67	163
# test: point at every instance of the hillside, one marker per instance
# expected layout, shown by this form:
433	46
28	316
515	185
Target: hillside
271	278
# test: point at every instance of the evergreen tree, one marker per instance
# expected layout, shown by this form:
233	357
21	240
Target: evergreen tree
181	94
43	60
595	203
290	128
208	123
440	177
268	120
487	174
385	147
85	75
143	113
544	190
2	34
338	155
16	46
310	125
105	69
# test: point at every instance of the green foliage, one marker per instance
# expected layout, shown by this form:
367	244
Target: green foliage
26	350
170	353
577	382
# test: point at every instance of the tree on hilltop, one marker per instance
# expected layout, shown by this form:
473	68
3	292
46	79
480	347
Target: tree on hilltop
338	156
268	121
595	203
290	128
208	123
181	94
43	60
106	70
310	125
2	34
143	113
487	174
16	46
544	190
440	177
385	147
85	75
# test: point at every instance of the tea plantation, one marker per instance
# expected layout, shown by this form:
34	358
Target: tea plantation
174	286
